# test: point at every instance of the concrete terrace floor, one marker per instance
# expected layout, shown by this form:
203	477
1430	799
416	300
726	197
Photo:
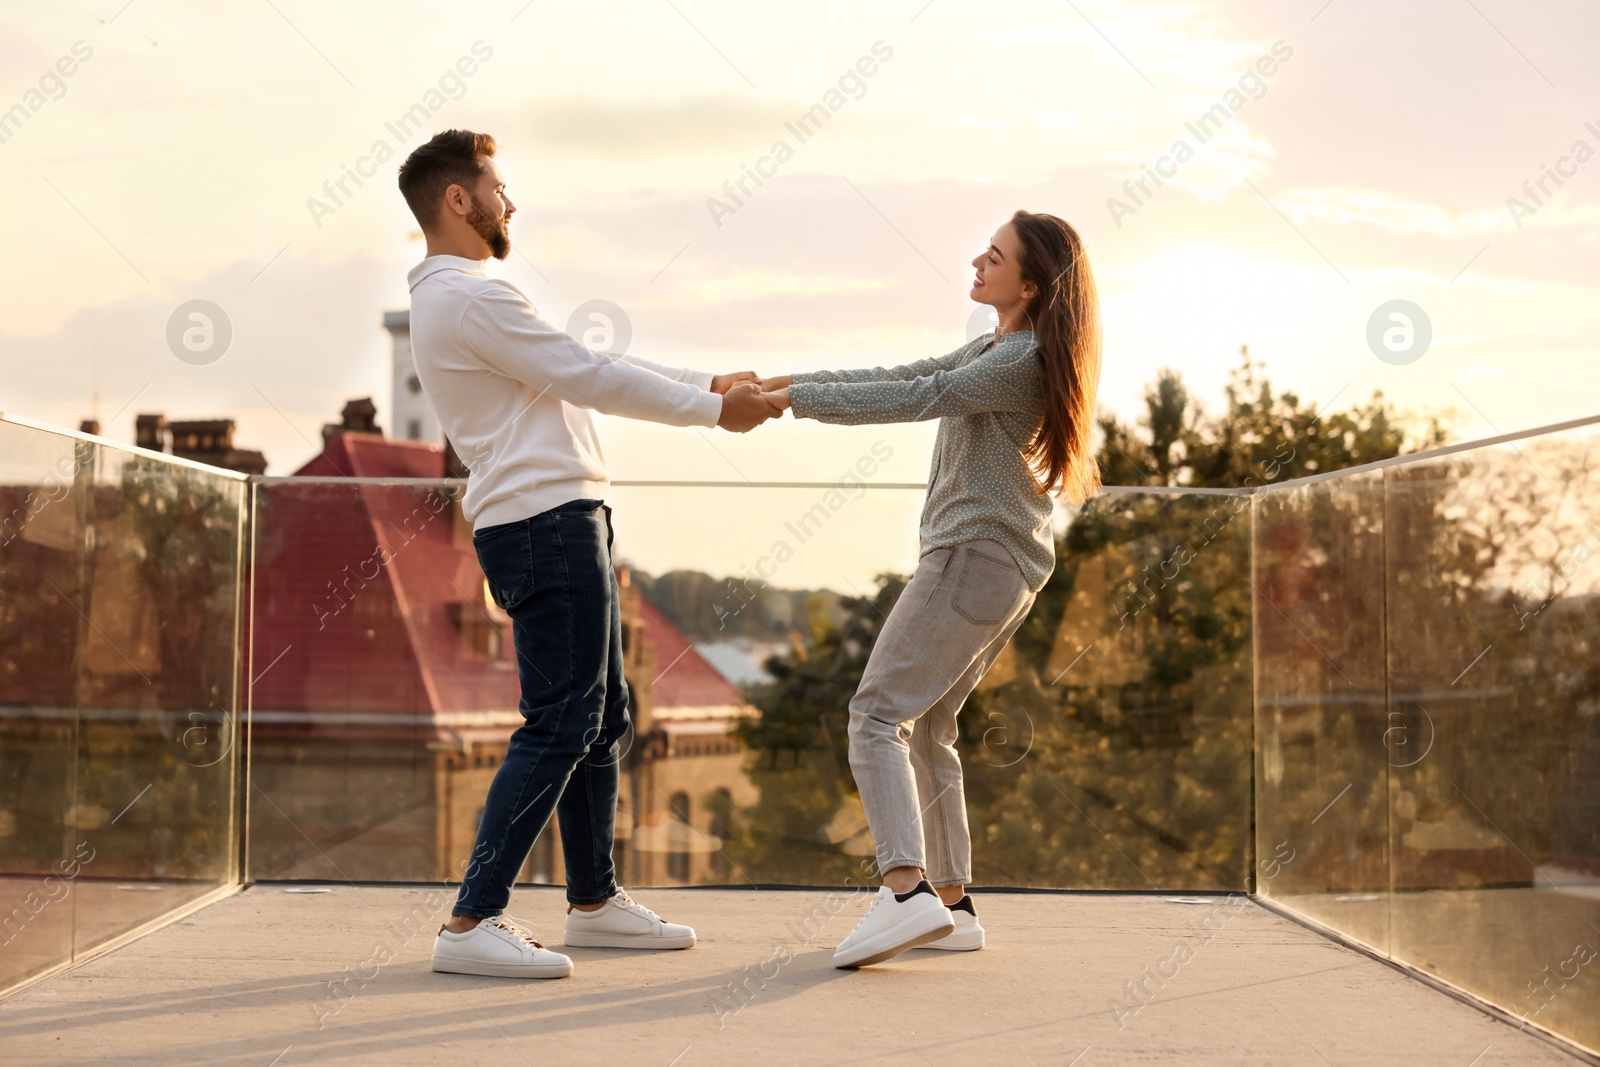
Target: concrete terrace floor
246	981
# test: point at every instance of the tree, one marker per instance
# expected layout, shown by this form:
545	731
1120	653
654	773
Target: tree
798	832
1175	443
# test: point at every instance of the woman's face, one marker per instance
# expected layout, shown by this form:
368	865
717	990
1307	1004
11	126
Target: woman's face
998	281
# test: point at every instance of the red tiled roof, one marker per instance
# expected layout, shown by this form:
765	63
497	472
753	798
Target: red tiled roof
683	678
350	454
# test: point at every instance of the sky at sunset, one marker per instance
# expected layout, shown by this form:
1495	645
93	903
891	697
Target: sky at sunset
1356	153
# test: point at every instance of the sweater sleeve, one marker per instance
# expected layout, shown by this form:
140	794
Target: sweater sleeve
1005	378
700	379
501	327
905	373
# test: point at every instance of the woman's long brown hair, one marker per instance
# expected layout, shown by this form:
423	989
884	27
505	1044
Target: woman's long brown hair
1065	316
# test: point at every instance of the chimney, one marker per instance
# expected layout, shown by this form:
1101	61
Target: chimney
357	416
211	441
150	431
360	415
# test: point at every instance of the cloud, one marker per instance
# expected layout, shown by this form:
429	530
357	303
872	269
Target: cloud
631	128
1397	214
306	336
22	56
1582	337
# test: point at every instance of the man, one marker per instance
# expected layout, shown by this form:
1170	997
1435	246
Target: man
514	395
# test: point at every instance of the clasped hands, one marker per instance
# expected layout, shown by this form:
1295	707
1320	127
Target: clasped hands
748	399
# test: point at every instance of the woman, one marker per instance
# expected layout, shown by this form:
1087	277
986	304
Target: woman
1015	410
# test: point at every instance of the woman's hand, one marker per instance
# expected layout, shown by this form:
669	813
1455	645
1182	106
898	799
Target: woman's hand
778	398
720	383
776	382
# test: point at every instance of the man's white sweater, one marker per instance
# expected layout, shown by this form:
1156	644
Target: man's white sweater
514	394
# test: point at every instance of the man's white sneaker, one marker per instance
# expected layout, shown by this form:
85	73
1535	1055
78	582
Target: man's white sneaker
499	947
894	924
968	934
623	922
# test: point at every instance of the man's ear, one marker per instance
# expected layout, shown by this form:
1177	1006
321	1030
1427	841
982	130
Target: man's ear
457	200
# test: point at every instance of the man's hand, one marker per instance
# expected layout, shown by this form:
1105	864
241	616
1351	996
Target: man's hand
778	398
721	383
744	408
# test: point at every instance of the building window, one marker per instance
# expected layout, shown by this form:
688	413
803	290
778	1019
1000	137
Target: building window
413	429
541	858
677	835
721	807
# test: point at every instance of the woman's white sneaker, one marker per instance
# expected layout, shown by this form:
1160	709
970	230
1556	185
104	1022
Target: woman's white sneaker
623	922
498	947
968	934
894	924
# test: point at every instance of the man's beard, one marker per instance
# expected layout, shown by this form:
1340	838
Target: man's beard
494	231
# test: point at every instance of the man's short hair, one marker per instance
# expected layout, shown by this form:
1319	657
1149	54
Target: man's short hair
454	157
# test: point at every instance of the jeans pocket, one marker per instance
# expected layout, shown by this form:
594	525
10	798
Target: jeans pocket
986	588
505	553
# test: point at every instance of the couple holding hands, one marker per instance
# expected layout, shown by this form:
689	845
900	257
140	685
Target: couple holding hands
1015	413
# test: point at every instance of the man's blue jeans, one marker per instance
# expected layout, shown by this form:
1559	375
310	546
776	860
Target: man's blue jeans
552	574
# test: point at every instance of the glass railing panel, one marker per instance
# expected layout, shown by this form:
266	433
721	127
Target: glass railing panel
386	689
1110	748
119	687
373	677
1323	739
42	560
386	684
159	681
781	589
1493	588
